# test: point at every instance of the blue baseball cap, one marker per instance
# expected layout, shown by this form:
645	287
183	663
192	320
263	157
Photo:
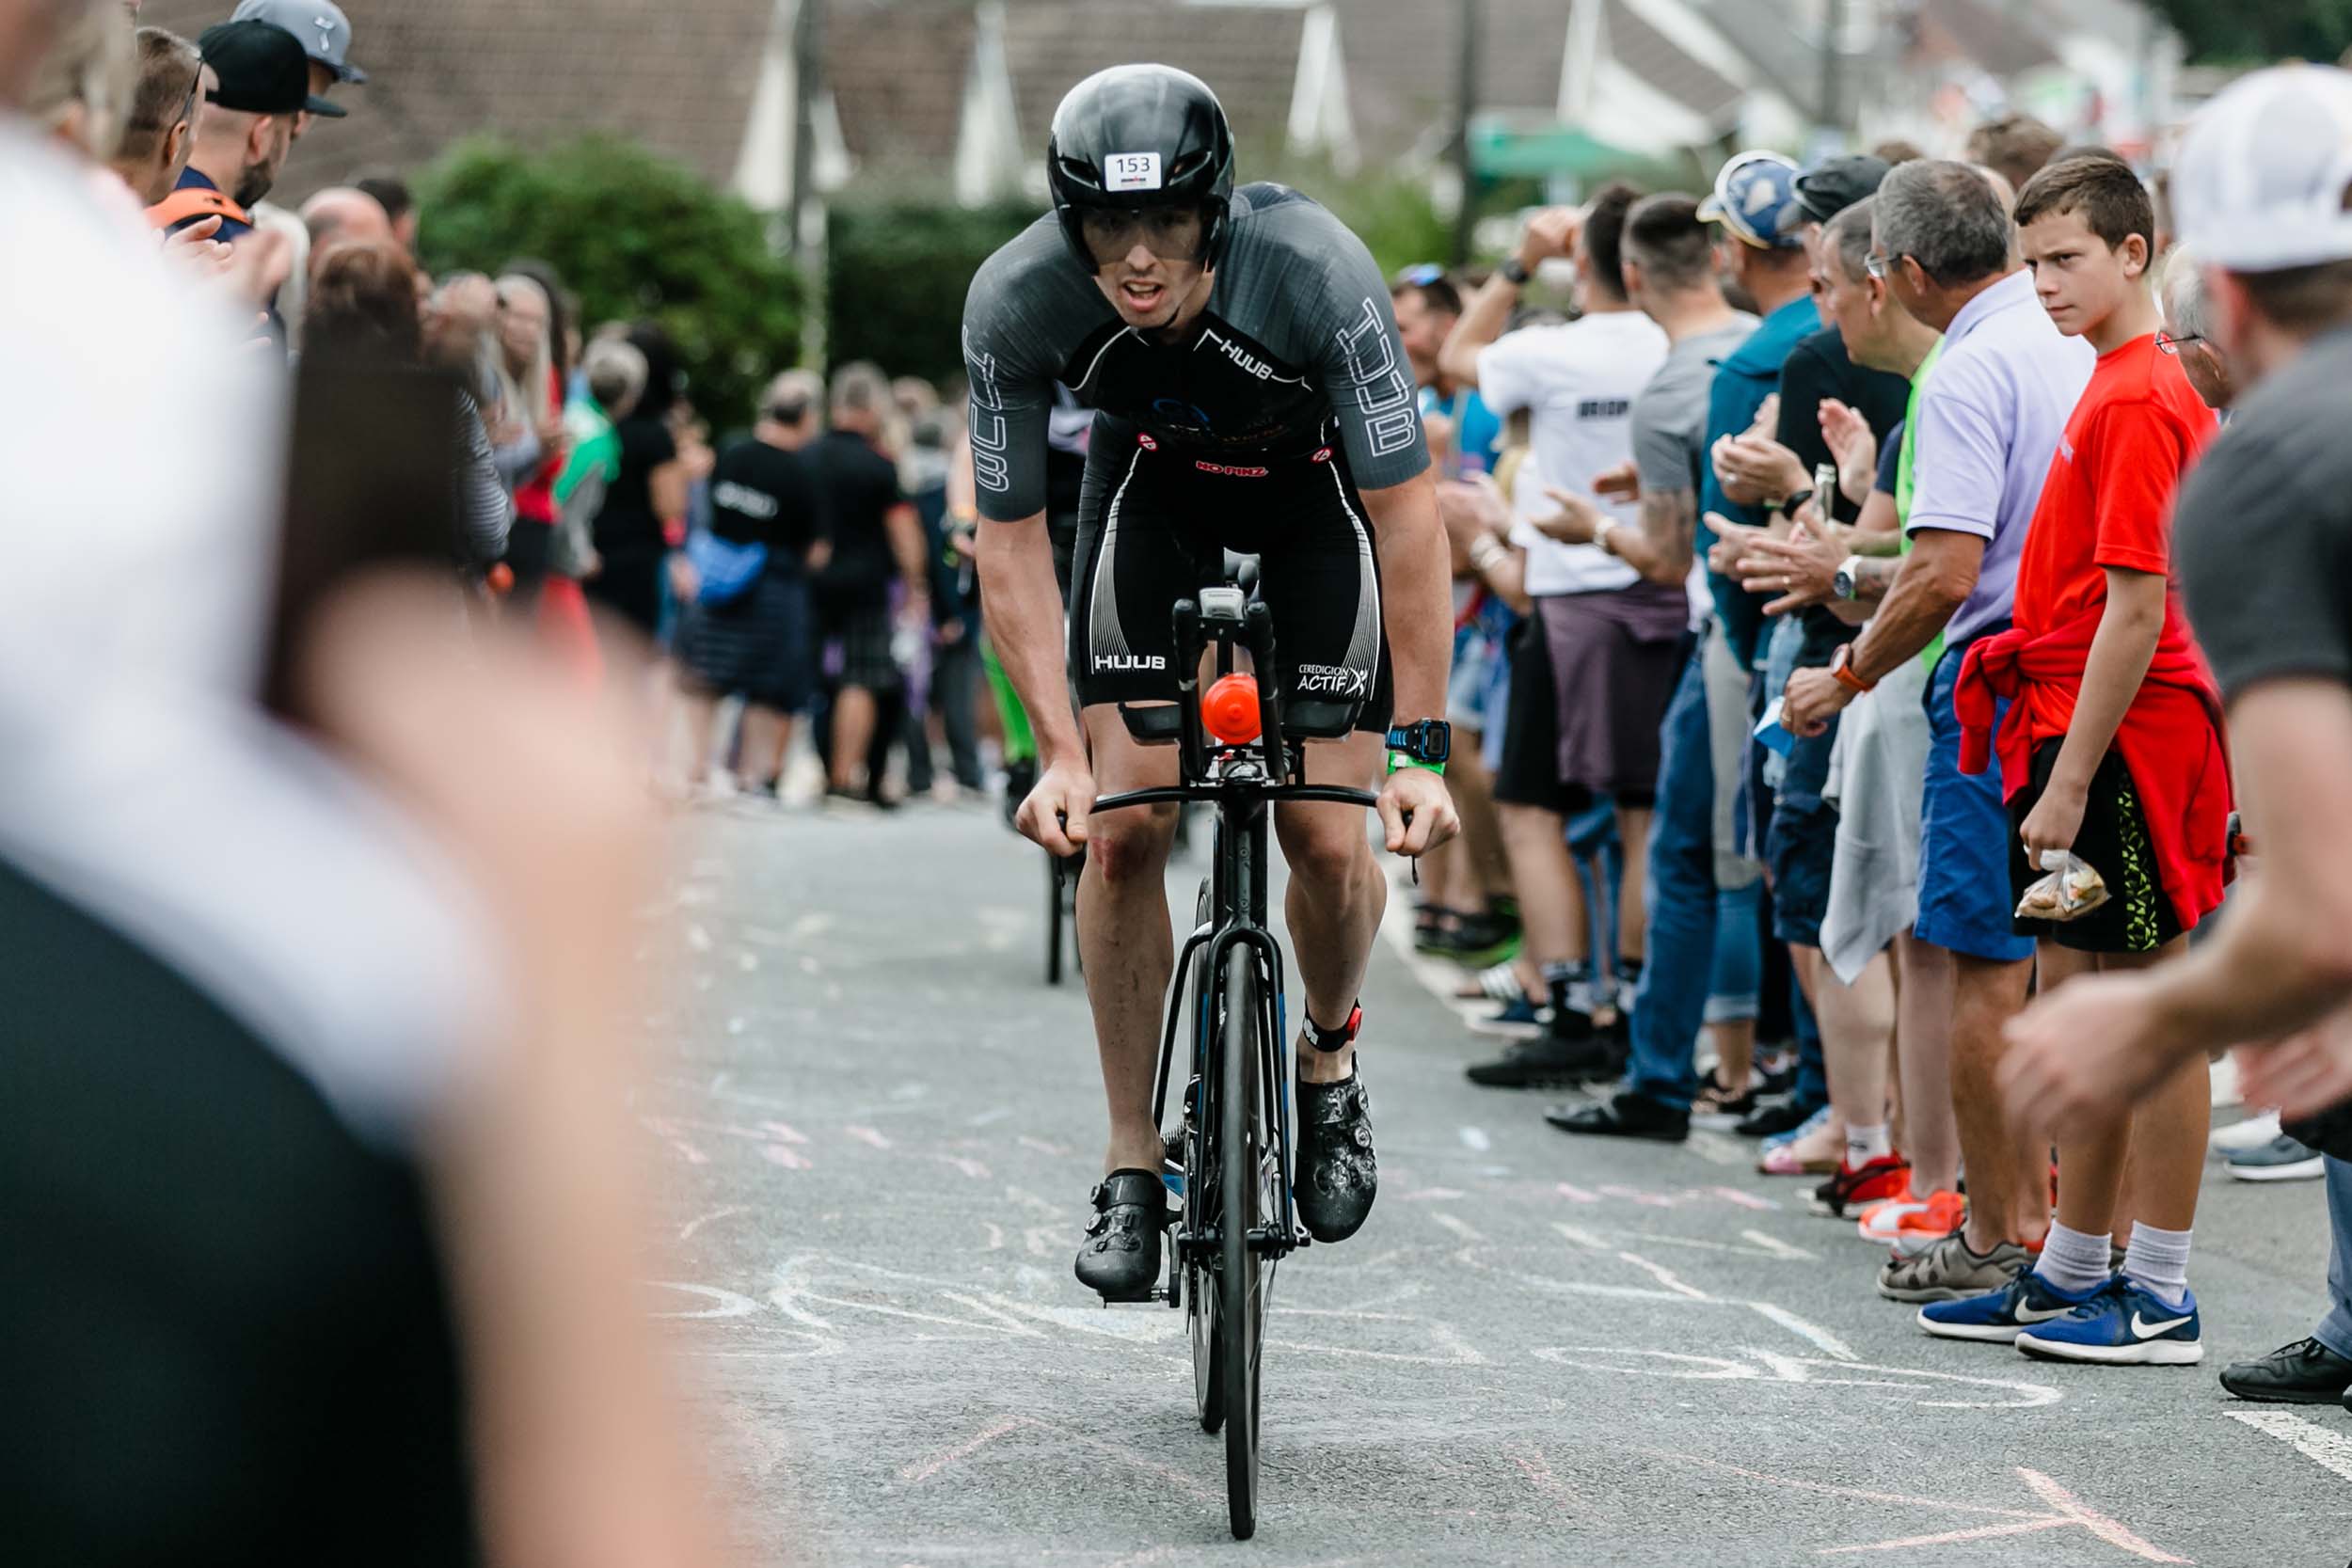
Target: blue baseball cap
1753	197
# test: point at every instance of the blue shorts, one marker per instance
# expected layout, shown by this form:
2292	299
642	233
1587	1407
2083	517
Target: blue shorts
1964	899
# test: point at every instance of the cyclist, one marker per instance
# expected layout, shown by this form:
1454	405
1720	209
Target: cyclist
1250	392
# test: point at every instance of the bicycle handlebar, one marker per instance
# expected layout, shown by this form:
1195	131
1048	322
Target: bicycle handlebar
1187	793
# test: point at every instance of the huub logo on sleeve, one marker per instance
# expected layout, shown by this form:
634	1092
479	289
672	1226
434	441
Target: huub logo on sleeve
1132	171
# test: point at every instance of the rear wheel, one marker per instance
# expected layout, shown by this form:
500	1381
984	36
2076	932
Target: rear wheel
1242	1209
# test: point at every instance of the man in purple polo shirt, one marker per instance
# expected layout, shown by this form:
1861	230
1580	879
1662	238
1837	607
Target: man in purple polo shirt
1989	421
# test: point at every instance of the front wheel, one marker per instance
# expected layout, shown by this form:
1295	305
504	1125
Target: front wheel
1241	1210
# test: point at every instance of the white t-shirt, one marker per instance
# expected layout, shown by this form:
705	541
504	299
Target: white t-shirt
1579	381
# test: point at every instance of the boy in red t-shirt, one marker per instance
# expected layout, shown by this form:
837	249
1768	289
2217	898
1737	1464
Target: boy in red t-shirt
2112	750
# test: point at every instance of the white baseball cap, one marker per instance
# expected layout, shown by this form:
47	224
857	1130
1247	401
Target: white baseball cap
2264	181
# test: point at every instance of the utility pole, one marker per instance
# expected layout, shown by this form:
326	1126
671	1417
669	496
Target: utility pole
808	55
1466	101
1833	28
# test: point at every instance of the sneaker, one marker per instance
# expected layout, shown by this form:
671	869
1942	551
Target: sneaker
1997	1317
1912	1232
2252	1133
2304	1373
1875	1222
1947	1271
1813	1123
2279	1160
1547	1061
1518	1018
1771	1121
1624	1116
1495	983
1852	1186
1721	1108
2125	1324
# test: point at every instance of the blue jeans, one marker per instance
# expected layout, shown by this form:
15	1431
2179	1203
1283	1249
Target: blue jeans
1680	902
2335	1329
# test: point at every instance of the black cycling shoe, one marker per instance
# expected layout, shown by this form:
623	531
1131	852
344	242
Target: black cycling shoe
1120	1260
1339	1175
1625	1115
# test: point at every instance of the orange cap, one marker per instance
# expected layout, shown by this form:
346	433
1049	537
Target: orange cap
1229	709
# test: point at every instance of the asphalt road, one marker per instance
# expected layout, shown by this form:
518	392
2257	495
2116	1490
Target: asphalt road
877	1128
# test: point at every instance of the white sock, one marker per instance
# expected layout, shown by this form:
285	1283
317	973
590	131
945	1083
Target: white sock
2158	1261
1866	1144
2073	1262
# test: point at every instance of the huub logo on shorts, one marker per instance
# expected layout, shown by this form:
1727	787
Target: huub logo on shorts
1128	661
1332	680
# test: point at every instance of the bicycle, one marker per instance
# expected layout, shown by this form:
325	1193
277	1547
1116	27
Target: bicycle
1237	1219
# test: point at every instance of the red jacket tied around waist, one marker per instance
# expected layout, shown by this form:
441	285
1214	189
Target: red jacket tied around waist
2170	739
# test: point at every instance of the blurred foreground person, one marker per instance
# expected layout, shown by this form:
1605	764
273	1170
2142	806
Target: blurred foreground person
319	1242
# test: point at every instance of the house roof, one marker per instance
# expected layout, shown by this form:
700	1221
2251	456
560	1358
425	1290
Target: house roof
899	105
1402	66
536	71
2004	40
1247	54
1656	59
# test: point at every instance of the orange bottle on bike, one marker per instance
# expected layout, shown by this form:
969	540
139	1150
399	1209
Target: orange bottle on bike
1229	709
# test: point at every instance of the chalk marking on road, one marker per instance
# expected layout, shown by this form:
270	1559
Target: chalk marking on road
1459	1227
1829	1343
1745	1200
972	1170
1578	1236
1779	1248
1427	1195
988	1117
1475	1139
2330	1450
1041	1241
729	1304
776	1154
1664	1276
867	1135
1575	1194
698	939
686	1232
1770	1367
1715	1149
2070	1512
747	961
808	926
1537	1470
786	1131
916	1474
925	1469
995	1236
1029	1199
1041	1147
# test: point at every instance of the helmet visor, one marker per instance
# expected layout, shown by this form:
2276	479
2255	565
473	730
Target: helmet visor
1170	233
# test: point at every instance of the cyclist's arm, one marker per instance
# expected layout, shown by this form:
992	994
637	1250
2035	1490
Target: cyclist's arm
1021	604
1416	593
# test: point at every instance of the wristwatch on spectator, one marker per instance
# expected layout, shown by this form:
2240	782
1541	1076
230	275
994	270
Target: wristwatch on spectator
1512	272
1847	584
1485	551
1841	666
1787	506
1602	529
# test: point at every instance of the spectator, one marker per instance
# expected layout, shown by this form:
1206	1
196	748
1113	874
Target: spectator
876	546
1597	663
756	642
1669	275
643	517
2014	146
160	132
2263	532
1987	424
1896	150
325	33
391	193
2112	753
1881	752
338	213
531	390
83	93
363	308
1856	1021
612	378
2188	328
1466	912
952	692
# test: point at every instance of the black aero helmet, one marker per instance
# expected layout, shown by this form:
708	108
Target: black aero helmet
1137	138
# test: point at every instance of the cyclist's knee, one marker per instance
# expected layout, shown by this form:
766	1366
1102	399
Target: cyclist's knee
1326	851
1132	845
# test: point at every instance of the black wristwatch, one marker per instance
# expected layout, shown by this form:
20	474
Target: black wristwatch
1427	741
1513	271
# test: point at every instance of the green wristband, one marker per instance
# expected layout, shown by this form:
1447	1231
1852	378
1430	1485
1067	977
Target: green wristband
1398	760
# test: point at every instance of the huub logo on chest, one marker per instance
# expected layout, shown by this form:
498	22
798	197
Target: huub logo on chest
1129	662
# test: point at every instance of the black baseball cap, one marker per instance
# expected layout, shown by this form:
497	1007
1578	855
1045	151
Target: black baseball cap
1834	184
263	70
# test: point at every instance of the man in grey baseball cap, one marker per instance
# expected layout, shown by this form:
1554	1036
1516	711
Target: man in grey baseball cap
325	33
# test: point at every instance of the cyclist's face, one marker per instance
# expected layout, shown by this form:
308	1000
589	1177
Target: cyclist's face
1144	262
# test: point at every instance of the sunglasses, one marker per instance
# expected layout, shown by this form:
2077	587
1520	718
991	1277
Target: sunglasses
2170	342
1419	276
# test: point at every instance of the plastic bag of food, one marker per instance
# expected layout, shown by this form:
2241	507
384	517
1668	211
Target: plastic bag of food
2070	891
